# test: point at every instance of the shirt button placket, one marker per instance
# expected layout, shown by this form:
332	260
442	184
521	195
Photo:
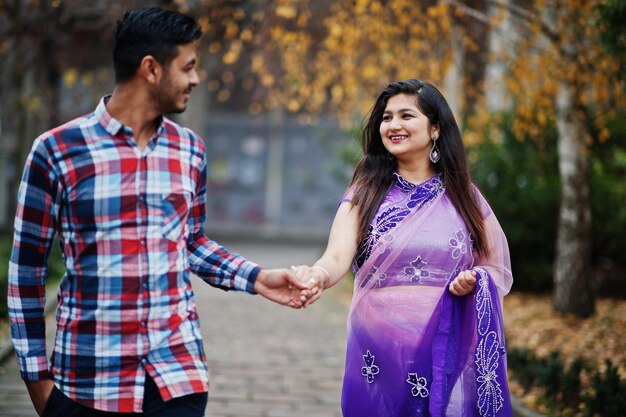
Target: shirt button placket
143	235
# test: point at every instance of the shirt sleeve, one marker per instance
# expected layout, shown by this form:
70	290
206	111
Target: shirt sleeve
209	260
35	221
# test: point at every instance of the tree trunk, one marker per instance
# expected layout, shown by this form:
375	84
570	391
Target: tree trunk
573	284
475	58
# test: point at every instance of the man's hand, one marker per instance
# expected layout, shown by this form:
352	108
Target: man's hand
464	283
39	392
282	287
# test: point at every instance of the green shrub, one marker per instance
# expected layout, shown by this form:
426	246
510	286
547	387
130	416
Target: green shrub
608	194
608	394
551	375
572	388
523	362
561	388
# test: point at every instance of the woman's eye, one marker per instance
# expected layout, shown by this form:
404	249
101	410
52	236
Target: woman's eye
386	118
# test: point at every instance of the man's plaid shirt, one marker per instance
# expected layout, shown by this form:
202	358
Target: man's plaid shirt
130	226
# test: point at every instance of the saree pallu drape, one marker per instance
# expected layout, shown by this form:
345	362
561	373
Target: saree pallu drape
413	348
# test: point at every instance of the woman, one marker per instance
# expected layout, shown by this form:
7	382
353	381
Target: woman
431	265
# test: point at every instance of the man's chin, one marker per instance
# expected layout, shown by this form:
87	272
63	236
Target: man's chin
176	110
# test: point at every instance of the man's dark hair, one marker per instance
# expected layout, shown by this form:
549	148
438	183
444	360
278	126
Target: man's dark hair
150	31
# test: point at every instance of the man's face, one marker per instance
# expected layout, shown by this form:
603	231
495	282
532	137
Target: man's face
179	77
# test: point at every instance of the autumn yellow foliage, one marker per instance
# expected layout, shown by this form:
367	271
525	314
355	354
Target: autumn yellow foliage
314	56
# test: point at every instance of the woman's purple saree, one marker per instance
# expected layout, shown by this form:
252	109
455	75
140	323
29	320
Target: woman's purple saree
414	349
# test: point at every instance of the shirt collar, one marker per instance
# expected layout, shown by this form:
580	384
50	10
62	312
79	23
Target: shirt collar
112	125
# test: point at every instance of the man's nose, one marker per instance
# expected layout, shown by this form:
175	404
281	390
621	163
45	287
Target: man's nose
195	80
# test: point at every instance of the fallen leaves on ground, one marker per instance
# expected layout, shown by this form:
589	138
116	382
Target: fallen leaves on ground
531	323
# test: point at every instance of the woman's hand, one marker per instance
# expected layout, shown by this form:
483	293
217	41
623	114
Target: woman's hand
464	283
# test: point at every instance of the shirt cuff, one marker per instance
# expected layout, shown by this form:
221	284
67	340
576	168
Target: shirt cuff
34	368
246	276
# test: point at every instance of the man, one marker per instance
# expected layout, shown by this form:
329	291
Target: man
124	188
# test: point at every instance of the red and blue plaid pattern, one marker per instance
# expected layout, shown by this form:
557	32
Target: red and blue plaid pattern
130	225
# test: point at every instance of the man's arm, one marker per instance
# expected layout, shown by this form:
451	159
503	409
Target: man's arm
39	392
35	223
209	260
226	270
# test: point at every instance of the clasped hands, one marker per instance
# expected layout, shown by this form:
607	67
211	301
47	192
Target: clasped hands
297	287
315	277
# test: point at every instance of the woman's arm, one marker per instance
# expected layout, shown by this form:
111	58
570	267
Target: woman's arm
336	260
497	263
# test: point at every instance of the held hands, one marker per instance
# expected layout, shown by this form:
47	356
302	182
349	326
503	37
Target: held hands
316	277
464	283
283	287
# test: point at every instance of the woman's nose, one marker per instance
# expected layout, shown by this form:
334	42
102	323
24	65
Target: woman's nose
395	124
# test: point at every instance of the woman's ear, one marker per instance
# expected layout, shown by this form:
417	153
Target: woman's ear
434	131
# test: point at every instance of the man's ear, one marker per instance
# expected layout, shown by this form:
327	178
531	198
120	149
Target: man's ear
150	69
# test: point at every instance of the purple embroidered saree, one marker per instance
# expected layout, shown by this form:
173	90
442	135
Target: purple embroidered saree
414	349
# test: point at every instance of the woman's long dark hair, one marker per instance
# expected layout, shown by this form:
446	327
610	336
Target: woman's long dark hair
373	176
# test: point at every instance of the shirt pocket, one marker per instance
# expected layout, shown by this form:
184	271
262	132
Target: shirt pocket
175	209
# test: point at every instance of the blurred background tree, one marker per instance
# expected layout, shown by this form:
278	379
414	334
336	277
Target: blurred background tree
41	44
561	75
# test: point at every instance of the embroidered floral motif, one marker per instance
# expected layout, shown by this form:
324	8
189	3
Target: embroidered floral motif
418	385
488	352
390	218
426	192
369	370
417	270
373	275
403	184
489	393
458	244
483	303
380	278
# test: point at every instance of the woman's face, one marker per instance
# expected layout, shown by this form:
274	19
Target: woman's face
405	131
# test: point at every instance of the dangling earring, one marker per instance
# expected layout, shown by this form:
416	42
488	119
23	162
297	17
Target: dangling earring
435	155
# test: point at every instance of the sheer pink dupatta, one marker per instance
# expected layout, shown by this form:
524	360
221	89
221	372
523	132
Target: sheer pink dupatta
498	264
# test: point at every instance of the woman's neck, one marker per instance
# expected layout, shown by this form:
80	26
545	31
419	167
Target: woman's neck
416	174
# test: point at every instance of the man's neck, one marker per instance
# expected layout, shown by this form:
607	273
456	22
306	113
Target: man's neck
133	108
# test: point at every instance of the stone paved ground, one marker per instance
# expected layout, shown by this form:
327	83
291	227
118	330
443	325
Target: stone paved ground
265	360
268	360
